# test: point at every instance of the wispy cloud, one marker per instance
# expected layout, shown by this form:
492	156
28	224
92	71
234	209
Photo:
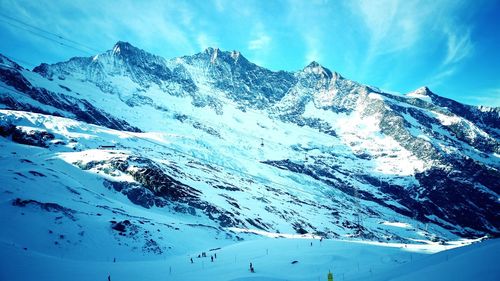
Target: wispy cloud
488	97
438	77
306	18
459	45
102	25
392	25
204	41
261	42
313	44
412	28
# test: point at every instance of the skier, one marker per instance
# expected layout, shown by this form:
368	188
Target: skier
191	260
109	277
212	258
215	255
114	259
251	268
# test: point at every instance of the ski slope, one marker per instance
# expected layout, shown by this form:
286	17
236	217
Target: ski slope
272	259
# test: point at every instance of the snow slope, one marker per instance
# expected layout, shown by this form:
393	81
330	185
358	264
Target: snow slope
273	259
475	262
151	161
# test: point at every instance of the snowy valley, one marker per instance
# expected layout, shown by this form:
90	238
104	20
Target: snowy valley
128	164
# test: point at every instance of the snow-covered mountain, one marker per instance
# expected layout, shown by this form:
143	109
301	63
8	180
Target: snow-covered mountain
134	147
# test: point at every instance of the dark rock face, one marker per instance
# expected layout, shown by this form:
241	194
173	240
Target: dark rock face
121	226
15	79
157	181
6	128
326	175
63	105
487	118
49	207
461	195
141	67
137	194
250	85
206	129
32	137
82	110
449	195
157	188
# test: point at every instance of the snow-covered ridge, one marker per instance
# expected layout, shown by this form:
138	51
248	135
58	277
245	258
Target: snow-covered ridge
422	93
239	138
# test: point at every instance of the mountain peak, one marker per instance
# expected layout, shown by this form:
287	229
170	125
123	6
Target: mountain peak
316	68
424	90
6	62
423	93
216	53
211	50
122	47
313	64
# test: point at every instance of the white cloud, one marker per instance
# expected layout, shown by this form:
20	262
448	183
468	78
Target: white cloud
313	45
308	20
261	42
438	77
459	45
147	24
413	29
204	41
488	97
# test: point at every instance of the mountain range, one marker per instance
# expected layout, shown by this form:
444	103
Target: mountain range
130	146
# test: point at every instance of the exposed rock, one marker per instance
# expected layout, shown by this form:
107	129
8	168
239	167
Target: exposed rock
32	137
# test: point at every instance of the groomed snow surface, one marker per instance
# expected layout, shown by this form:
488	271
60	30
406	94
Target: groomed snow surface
273	259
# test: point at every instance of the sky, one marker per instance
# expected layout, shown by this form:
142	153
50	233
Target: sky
451	46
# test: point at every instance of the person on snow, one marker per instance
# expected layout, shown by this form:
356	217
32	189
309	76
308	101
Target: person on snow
212	258
251	268
191	260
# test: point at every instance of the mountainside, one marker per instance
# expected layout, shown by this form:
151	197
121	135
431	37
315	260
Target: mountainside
214	142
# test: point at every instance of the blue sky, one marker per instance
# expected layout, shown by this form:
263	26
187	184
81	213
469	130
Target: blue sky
451	46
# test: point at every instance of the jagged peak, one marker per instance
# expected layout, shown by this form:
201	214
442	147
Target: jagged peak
125	48
424	90
316	68
215	53
210	50
313	64
423	93
7	62
235	55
